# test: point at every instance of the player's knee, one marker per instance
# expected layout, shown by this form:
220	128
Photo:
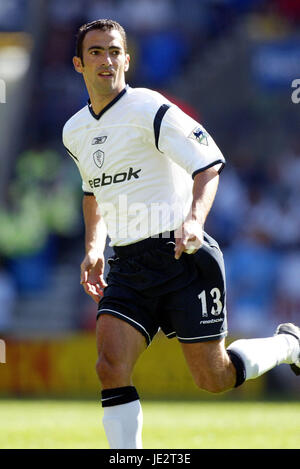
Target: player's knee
212	387
106	370
110	372
211	383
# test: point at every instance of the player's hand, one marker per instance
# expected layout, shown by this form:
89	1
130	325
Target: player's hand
91	278
188	238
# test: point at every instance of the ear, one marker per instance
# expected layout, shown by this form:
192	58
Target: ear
77	64
127	60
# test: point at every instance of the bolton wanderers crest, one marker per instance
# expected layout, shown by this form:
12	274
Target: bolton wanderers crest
98	158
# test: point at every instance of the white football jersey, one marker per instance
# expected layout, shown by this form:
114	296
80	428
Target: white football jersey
138	157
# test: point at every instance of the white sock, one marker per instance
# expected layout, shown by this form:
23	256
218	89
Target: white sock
123	425
260	355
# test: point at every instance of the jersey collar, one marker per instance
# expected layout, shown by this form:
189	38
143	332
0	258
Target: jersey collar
108	106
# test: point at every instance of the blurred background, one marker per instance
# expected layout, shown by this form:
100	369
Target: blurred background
228	63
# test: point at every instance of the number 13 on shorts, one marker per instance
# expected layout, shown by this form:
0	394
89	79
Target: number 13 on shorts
217	303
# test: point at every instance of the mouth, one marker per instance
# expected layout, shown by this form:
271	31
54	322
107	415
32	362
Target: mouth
105	74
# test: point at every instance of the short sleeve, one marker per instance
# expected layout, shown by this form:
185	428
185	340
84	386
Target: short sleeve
70	150
185	141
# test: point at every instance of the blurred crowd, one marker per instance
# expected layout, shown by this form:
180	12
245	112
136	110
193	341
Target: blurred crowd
256	215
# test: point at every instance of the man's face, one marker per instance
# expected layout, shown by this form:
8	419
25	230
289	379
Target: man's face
104	62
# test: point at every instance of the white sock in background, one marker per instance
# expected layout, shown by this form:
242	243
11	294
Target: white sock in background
260	355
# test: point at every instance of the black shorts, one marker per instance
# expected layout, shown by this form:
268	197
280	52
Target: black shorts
150	289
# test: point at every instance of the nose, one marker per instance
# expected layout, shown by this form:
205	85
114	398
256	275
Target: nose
106	59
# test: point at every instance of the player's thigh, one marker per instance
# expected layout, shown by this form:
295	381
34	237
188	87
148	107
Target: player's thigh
118	342
209	364
203	355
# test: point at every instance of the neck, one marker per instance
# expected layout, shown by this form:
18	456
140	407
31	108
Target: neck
99	102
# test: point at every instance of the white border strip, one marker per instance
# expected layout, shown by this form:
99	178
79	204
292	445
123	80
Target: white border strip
202	337
132	320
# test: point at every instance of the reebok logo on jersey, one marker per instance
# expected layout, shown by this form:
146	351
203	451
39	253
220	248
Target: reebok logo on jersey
107	179
199	135
98	140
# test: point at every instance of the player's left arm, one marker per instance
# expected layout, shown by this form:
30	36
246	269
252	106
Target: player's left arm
189	236
189	145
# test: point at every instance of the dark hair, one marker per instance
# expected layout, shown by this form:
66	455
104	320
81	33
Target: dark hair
102	25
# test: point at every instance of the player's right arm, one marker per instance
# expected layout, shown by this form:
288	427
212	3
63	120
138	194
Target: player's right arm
92	266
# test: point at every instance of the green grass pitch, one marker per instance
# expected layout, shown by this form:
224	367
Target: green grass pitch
42	424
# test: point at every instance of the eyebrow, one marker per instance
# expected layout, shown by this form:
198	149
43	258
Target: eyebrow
103	48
